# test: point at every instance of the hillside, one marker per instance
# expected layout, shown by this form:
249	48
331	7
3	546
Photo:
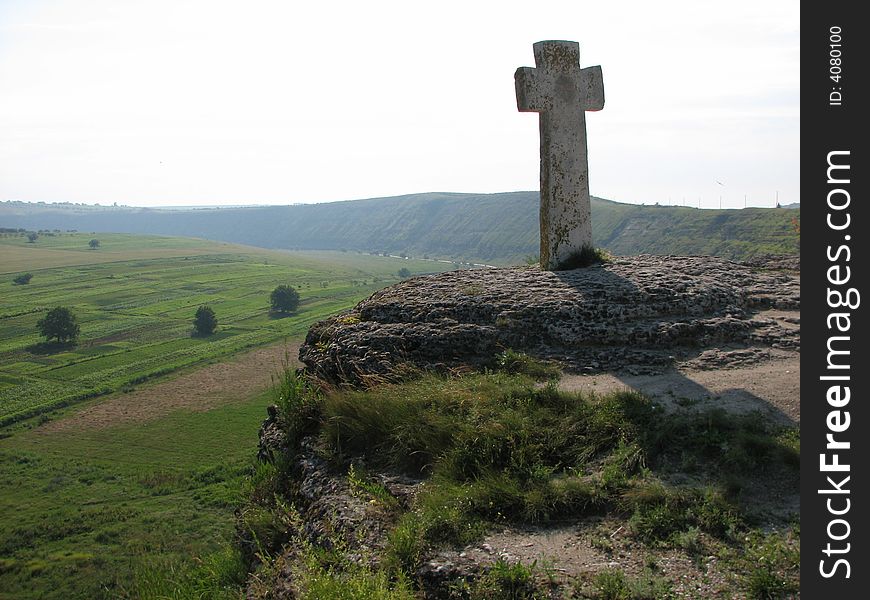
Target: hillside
631	433
494	228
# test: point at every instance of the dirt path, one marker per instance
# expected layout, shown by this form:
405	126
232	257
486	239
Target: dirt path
198	390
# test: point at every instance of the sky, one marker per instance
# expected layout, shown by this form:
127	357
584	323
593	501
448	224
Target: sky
206	102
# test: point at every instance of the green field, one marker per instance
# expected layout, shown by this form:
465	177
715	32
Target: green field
86	514
135	298
136	510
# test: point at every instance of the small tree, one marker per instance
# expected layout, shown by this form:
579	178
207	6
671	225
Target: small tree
94	244
205	321
284	299
404	273
59	323
23	279
31	237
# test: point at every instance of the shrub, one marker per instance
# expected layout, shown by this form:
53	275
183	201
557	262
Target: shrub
59	323
23	279
284	299
205	321
94	244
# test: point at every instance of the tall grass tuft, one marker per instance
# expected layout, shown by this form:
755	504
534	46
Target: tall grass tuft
298	404
217	576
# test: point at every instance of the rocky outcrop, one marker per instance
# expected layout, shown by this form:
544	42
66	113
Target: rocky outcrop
636	312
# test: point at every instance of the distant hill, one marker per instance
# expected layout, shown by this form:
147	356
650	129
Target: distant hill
492	228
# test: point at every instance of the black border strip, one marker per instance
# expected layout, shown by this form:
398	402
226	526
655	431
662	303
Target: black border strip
831	122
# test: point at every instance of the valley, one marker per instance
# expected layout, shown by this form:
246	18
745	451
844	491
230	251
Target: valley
123	457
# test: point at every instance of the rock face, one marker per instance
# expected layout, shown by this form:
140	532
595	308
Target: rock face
633	312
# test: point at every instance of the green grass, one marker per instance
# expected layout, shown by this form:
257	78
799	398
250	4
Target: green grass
499	448
613	584
136	310
114	512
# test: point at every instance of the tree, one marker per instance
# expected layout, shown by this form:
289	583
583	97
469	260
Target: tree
94	244
284	299
404	273
59	323
31	237
205	321
23	279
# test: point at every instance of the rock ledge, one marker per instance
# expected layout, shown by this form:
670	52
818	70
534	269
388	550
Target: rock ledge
638	312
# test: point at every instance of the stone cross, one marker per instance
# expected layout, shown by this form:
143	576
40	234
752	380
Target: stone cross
561	92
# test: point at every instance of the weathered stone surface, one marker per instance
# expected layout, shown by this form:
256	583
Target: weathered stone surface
633	312
561	92
333	516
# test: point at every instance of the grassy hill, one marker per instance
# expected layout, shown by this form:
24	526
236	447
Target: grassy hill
492	228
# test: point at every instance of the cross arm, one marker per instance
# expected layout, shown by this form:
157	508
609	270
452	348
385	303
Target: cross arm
592	88
529	96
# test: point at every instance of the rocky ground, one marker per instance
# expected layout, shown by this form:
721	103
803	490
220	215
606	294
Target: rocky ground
690	332
635	314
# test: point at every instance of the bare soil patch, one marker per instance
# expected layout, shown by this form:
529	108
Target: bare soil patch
199	390
577	552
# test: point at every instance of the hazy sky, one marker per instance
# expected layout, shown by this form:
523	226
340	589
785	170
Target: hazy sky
275	102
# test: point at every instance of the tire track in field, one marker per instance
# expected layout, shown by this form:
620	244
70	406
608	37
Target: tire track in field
200	390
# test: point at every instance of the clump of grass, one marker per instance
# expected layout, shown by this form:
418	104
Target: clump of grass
467	428
362	484
219	575
650	587
585	257
356	582
298	404
614	584
326	574
664	515
771	565
405	544
506	581
266	519
762	583
611	585
262	529
519	363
